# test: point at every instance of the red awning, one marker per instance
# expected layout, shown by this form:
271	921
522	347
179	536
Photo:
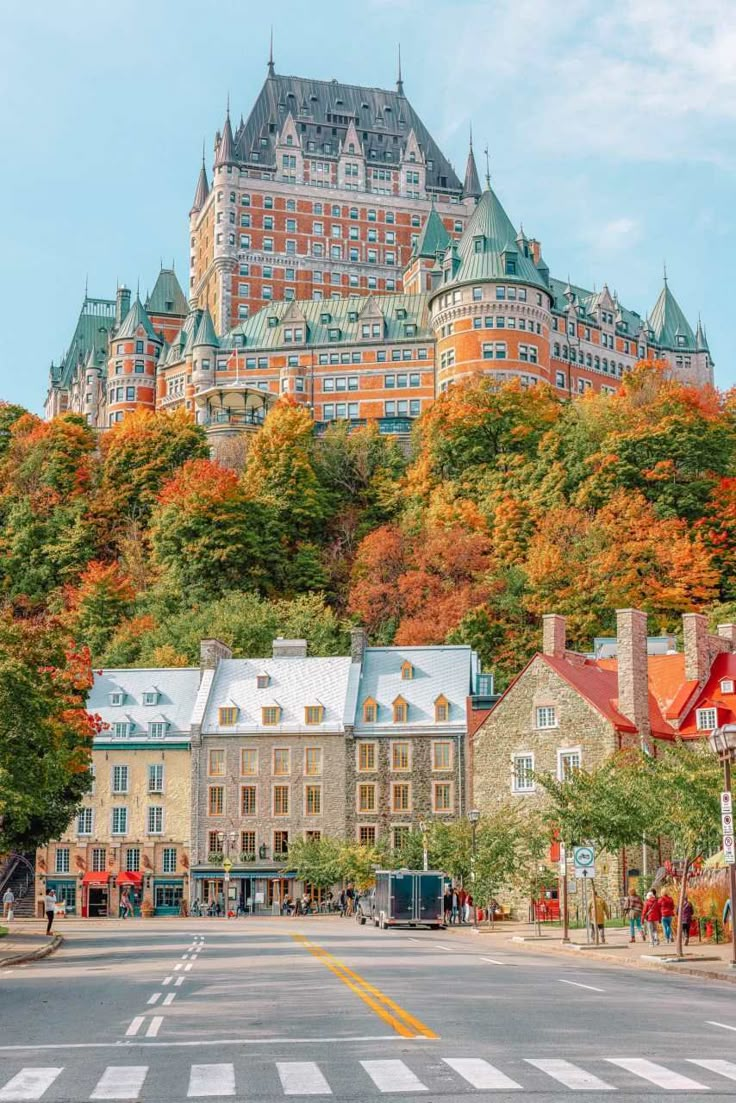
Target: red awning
95	877
130	877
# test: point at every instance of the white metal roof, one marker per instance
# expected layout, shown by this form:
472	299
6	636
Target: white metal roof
437	671
177	691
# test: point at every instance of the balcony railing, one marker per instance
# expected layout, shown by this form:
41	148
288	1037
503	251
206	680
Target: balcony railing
393	426
252	418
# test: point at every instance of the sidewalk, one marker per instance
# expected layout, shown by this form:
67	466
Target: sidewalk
702	959
20	946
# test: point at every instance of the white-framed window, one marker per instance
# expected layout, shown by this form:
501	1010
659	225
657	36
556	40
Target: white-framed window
85	821
120	777
99	859
62	859
155	819
155	777
168	860
121	729
545	716
117	697
150	697
523	775
119	820
157	728
442	796
727	685
707	719
568	762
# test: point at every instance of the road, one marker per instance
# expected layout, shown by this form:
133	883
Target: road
261	1009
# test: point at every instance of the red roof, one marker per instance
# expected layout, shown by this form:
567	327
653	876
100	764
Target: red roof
596	681
95	877
130	877
712	697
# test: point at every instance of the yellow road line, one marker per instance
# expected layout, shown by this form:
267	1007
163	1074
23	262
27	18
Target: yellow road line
402	1022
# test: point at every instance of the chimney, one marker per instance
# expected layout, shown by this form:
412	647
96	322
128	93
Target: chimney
358	644
695	634
553	635
211	652
122	304
633	673
728	632
289	649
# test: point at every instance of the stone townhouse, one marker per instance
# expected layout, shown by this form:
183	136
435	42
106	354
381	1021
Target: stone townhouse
567	711
132	830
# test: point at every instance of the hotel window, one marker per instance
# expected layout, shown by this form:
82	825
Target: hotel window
99	859
248	761
707	719
281	800
313	761
214	842
546	716
400	756
442	755
442	796
156	777
248	800
367	834
168	860
313	800
248	843
119	820
400	836
216	763
401	711
568	763
62	859
370	711
227	716
523	773
441	710
133	859
120	776
280	844
366	757
367	797
84	821
270	715
216	800
313	714
401	796
281	761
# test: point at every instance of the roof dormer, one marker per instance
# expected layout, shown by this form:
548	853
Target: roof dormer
441	709
314	714
117	696
407	671
263	680
401	710
151	696
227	715
727	685
370	710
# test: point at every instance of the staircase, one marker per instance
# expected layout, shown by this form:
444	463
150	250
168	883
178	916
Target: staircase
17	873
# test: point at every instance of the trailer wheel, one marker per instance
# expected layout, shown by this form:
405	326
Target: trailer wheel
361	919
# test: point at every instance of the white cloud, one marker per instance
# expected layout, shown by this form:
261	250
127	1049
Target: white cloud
616	234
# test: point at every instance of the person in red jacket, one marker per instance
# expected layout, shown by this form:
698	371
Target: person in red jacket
651	915
667	909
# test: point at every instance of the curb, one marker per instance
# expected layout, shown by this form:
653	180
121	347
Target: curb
36	955
659	966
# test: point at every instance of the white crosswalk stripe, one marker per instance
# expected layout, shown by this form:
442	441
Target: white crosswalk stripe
480	1074
657	1074
302	1078
120	1082
211	1080
723	1068
29	1084
571	1075
393	1076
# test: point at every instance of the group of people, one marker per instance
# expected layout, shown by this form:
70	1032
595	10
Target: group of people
655	911
458	906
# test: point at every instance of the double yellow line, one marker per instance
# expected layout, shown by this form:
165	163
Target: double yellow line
383	1006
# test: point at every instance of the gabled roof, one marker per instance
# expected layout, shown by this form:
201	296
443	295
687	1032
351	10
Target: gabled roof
670	326
585	303
710	696
596	682
344	315
167	296
434	237
135	318
436	670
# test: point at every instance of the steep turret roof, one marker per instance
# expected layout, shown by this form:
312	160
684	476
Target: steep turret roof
167	296
670	326
488	241
136	317
434	237
202	190
471	187
701	341
225	154
205	334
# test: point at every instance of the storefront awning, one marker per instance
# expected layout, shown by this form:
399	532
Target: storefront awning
95	877
130	877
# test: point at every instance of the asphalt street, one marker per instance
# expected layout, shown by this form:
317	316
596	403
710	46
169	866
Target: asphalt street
261	1009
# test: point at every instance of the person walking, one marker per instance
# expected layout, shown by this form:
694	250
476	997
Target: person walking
633	906
454	906
687	917
461	898
469	908
598	915
49	906
667	911
8	901
651	914
447	903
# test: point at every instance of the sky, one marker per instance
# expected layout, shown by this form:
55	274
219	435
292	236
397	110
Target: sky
610	131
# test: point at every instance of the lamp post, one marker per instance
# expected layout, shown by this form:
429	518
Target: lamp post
723	742
425	854
227	839
473	816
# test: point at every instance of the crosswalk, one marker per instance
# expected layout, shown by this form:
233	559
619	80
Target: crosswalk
365	1078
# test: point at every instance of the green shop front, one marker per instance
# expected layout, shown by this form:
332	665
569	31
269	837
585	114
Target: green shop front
66	892
251	891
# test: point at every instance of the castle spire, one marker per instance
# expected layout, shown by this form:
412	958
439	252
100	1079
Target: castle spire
399	80
471	187
225	154
203	188
271	67
488	169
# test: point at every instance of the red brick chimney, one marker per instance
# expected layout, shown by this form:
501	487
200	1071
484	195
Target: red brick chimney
695	636
554	635
633	675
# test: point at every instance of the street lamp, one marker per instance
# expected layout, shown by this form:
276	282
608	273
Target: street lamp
227	840
723	742
473	816
425	854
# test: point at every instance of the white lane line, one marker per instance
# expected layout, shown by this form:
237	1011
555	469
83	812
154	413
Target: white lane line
167	980
302	1078
177	967
493	961
120	1082
29	1084
571	1076
155	998
450	949
724	1026
169	999
202	1042
154	1026
723	1068
134	1027
211	1080
393	1076
657	1074
480	1074
185	957
179	981
577	984
187	967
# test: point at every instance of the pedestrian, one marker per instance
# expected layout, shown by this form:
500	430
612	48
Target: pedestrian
468	907
651	914
349	899
447	905
667	911
461	897
687	917
453	916
8	901
600	917
343	901
633	906
49	905
124	904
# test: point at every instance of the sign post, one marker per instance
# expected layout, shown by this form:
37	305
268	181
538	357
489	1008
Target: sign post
227	865
563	893
583	858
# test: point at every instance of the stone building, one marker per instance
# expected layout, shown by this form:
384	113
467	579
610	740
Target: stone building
132	829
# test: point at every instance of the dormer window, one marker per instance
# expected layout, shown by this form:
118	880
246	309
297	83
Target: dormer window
441	709
121	729
707	719
263	681
227	716
270	715
478	244
407	671
370	711
117	697
727	685
401	711
158	728
510	265
314	714
150	697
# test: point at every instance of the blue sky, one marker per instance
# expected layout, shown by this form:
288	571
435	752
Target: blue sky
610	130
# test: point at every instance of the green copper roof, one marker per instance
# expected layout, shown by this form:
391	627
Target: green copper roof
701	341
670	326
487	249
95	322
585	303
167	296
135	318
205	334
202	190
434	237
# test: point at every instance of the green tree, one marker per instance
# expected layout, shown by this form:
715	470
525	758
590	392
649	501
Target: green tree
319	862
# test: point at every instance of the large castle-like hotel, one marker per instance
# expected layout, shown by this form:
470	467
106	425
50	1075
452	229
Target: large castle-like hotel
335	256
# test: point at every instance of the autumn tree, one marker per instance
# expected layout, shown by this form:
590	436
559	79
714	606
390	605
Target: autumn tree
101	600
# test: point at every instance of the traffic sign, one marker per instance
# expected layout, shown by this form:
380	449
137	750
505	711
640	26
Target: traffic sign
227	865
729	850
583	857
726	802
586	874
727	822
